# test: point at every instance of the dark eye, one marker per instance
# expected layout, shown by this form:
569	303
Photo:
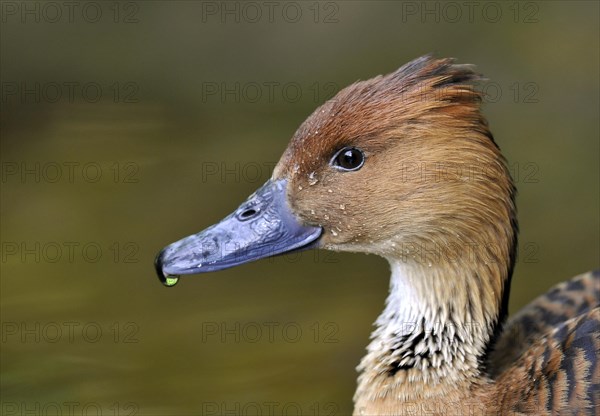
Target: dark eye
348	159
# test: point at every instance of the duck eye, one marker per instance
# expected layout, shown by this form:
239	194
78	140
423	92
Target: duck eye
348	159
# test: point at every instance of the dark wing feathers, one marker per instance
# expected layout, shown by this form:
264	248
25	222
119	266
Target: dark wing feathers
547	360
560	373
561	303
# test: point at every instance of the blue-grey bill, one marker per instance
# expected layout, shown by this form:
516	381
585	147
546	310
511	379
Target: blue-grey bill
262	226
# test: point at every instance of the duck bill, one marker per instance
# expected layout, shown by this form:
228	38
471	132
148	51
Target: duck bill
263	226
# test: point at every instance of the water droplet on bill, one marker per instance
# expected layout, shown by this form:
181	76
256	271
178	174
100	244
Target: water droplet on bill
170	280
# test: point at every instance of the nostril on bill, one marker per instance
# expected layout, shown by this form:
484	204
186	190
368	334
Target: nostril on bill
247	214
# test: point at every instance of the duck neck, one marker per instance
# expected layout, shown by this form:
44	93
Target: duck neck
434	333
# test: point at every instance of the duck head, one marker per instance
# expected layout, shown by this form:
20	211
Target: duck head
388	166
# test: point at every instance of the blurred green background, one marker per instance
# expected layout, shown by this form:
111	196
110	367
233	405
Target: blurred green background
126	126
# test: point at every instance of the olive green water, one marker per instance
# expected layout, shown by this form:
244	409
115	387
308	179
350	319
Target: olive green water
93	187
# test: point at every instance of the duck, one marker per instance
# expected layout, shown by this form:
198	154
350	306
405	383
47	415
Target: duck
404	166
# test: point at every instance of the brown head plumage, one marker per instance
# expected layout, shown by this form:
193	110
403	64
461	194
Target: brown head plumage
432	175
